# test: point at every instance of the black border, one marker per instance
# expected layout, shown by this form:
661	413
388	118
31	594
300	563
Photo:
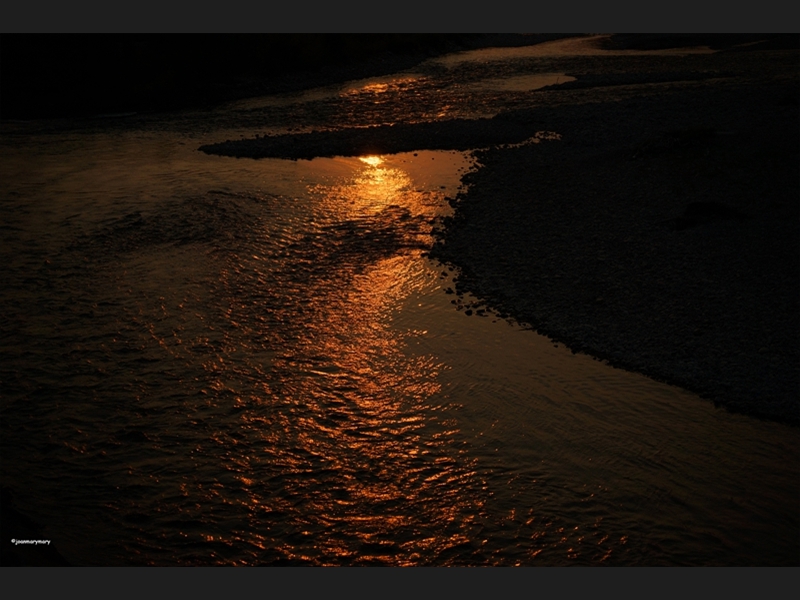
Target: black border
409	16
351	583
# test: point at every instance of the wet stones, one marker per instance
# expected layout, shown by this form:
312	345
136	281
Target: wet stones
569	238
453	134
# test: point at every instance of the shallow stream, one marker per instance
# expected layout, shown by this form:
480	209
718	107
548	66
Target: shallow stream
208	360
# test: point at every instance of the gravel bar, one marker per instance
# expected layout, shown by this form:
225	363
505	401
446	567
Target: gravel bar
661	234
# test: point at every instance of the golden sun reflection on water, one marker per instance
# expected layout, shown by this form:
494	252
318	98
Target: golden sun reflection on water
380	85
355	464
371	160
379	185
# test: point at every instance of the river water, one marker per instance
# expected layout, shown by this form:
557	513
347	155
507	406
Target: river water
213	361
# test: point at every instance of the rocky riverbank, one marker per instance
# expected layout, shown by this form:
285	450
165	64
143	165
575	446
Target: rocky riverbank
661	234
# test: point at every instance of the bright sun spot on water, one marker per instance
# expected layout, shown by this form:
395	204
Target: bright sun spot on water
371	160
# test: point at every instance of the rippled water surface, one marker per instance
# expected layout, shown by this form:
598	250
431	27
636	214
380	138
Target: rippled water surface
207	360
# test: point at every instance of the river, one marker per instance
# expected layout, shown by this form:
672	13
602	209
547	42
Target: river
220	361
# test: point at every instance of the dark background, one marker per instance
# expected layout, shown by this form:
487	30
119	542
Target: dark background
79	75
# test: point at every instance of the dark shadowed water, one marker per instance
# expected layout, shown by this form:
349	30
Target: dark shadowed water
207	360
